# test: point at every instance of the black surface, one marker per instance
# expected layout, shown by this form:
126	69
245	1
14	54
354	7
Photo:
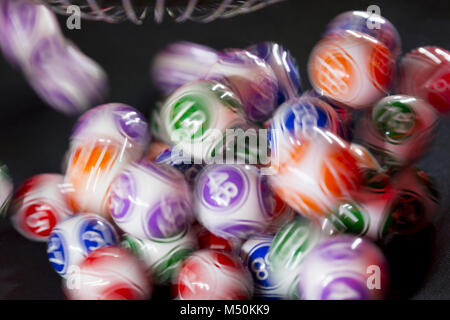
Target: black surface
33	137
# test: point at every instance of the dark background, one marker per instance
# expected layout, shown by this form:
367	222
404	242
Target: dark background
34	137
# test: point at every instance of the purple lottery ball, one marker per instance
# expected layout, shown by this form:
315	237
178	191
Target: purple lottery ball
180	63
283	65
228	200
119	122
156	212
344	268
251	79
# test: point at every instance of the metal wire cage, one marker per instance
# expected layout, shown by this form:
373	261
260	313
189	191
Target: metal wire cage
114	11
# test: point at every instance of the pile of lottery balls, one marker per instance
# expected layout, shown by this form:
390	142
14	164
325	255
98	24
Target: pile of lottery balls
297	213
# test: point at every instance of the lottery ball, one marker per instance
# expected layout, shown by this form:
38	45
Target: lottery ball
415	204
162	258
398	129
353	68
314	172
251	78
195	117
185	164
373	25
23	25
366	213
283	65
65	78
116	122
180	63
91	168
38	205
364	158
255	255
157	212
425	73
6	189
109	273
72	239
298	117
231	201
213	275
289	247
344	268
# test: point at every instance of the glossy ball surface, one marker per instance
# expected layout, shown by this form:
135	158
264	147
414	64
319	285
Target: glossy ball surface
157	212
109	273
213	275
289	247
373	25
344	268
251	78
232	201
312	173
186	165
255	255
38	205
352	68
398	129
116	122
425	73
298	117
180	63
74	238
195	117
283	65
162	258
91	168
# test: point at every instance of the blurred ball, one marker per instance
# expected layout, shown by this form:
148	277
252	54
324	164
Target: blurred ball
232	201
298	117
398	129
213	275
154	150
425	73
162	258
283	65
109	273
288	249
251	79
313	172
208	240
255	255
150	201
116	122
344	268
351	68
38	205
73	239
180	63
194	117
373	25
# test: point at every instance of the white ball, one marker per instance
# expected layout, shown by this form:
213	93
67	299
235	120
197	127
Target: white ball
162	258
73	239
232	201
110	273
150	201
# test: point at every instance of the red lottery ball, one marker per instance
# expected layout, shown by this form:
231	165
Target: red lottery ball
425	72
38	205
109	273
213	275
